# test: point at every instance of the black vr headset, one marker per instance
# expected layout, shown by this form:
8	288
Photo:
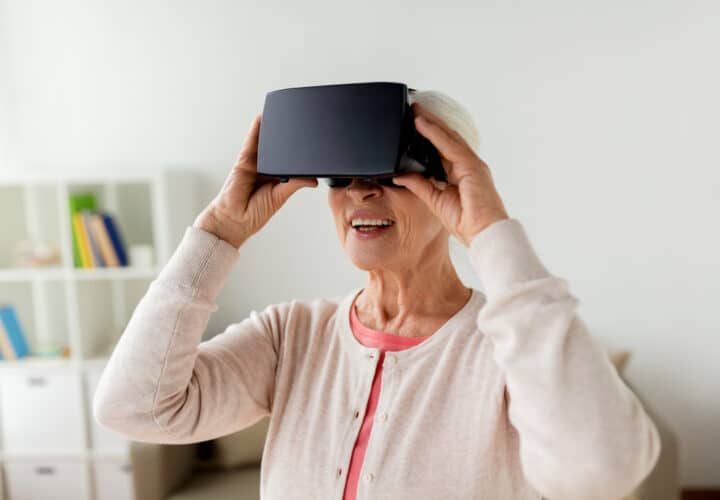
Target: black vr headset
341	132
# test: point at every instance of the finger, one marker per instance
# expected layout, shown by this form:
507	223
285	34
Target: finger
249	146
421	186
441	185
420	110
239	185
442	140
449	151
283	190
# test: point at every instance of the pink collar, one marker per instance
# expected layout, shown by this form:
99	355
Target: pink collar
376	338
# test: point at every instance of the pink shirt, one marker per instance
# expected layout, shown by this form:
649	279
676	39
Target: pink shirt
385	342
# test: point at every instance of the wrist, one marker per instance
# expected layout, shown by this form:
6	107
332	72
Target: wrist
209	222
467	239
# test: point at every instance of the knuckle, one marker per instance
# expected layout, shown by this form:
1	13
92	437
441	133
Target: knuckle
245	156
239	168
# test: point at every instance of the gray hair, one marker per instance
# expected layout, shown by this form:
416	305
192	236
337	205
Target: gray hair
452	112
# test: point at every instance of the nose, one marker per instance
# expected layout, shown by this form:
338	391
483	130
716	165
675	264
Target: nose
361	189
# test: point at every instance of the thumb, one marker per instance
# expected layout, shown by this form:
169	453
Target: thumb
283	190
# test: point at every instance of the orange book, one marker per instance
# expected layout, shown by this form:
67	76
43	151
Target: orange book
101	236
83	246
5	348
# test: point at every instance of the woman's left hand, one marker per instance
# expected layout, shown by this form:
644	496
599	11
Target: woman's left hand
469	202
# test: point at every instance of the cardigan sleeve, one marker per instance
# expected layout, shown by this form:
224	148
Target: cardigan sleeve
583	433
161	383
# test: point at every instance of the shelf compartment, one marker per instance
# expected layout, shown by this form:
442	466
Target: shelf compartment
133	205
43	219
15	227
42	411
41	308
47	478
20	297
105	307
99	317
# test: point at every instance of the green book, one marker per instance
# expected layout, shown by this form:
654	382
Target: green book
80	201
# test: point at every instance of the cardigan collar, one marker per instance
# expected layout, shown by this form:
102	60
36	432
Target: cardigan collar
463	320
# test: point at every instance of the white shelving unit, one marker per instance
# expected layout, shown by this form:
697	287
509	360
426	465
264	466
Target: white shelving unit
50	445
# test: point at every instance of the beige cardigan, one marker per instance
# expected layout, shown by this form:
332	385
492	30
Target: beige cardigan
512	398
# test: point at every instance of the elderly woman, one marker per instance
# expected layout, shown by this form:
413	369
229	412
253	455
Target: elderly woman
412	387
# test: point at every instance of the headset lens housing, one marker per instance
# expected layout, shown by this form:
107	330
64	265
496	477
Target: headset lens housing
346	181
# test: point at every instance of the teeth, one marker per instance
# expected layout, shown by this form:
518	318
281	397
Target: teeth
371	222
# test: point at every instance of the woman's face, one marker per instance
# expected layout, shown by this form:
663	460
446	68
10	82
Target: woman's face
415	230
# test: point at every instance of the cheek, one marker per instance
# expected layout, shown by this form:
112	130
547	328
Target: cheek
335	207
341	228
418	228
417	219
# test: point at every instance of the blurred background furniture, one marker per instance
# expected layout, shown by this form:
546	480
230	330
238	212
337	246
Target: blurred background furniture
228	468
50	447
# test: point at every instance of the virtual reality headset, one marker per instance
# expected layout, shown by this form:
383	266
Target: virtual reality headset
340	132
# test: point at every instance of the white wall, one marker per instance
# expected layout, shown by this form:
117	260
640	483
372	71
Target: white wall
600	122
5	96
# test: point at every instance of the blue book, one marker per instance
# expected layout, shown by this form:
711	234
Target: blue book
115	238
92	242
15	333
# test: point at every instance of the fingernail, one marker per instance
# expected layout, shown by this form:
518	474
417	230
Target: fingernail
441	185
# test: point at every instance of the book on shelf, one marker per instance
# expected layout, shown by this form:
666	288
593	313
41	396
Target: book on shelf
6	349
77	202
115	237
80	241
96	258
13	344
97	240
107	250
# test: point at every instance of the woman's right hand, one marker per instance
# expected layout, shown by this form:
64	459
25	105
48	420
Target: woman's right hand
245	203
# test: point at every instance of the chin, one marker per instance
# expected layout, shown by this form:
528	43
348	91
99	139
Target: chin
367	262
363	266
370	254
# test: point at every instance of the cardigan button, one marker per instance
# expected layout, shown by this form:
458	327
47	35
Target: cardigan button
382	417
392	360
369	476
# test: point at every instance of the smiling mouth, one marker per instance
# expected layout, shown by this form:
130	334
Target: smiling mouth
372	229
369	225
